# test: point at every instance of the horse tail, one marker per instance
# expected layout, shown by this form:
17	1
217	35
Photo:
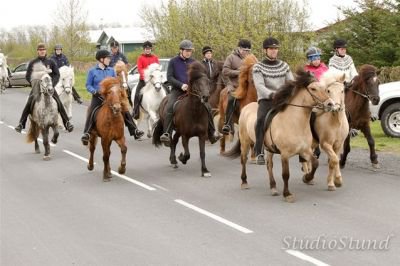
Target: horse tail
157	132
234	152
33	132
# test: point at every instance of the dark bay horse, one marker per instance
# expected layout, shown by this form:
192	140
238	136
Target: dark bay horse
109	125
364	88
190	117
216	86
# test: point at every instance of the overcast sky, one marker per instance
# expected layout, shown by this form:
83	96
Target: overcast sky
30	12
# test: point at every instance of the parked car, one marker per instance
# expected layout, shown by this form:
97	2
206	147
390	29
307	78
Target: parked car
388	109
133	74
17	76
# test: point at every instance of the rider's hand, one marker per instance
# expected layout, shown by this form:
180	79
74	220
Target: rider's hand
184	87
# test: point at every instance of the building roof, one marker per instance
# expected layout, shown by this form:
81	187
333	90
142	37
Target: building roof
94	35
127	35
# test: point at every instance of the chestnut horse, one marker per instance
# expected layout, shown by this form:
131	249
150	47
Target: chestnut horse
246	93
109	125
289	132
364	88
217	85
190	117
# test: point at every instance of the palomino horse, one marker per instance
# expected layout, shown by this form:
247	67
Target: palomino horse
364	88
122	75
64	89
331	130
245	93
109	126
44	114
3	72
289	132
190	117
153	93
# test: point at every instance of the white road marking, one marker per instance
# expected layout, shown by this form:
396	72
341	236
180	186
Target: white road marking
215	217
305	257
143	185
160	187
1	122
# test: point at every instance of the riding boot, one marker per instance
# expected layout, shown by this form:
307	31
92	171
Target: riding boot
228	125
90	119
129	94
166	136
211	127
258	148
67	124
25	113
132	128
138	99
76	96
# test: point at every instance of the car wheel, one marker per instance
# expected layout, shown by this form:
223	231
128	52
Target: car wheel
390	120
8	84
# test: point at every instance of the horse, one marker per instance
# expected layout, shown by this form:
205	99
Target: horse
3	73
289	132
217	85
245	93
44	114
190	117
64	89
363	89
331	130
153	93
121	72
109	126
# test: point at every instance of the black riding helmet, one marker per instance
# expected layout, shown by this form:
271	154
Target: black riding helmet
243	43
147	44
339	43
58	46
102	54
271	43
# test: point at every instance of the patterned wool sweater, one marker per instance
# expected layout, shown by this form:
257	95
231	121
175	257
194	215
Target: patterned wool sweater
343	65
269	76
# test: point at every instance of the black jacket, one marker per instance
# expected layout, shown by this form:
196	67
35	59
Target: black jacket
55	74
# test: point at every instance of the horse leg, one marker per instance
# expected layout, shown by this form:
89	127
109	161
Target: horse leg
106	144
371	143
309	177
202	145
285	176
186	156
243	160
92	147
333	162
272	183
252	154
338	175
54	139
346	150
122	146
37	148
172	156
45	135
220	124
150	122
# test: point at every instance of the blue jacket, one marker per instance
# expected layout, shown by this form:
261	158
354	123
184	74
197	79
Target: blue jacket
95	76
116	57
61	60
177	71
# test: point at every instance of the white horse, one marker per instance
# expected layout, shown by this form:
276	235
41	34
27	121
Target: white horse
3	72
153	92
64	89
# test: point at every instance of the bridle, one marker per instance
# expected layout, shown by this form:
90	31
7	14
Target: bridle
319	103
365	95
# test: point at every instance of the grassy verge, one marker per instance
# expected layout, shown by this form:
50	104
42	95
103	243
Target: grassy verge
80	81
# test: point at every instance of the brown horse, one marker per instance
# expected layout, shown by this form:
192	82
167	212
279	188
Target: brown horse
122	75
190	117
217	85
289	132
245	93
109	125
364	88
331	130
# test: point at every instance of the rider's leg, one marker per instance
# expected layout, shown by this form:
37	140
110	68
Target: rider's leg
230	109
64	116
211	127
167	125
90	119
24	115
76	96
138	99
132	128
264	106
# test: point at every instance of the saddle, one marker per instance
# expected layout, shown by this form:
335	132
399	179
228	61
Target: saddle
268	118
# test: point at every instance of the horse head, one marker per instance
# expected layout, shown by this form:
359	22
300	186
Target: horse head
333	84
199	84
46	85
367	84
110	89
153	74
122	73
66	79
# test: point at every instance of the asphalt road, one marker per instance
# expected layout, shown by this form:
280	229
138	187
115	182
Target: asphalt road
58	213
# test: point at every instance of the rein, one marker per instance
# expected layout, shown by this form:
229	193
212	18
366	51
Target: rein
319	103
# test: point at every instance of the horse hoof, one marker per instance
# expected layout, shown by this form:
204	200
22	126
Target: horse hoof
244	186
376	166
106	179
331	188
149	136
37	151
253	161
90	167
46	158
121	170
206	174
338	183
175	165
274	192
289	199
308	182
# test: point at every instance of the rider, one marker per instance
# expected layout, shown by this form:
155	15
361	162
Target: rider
341	62
210	63
144	60
230	73
177	77
62	60
315	65
116	54
268	75
55	76
95	76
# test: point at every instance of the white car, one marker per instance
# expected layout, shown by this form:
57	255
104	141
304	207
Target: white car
133	74
388	109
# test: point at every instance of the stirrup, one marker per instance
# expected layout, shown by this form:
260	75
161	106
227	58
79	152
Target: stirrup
85	139
260	159
69	126
213	139
138	134
19	128
226	129
165	139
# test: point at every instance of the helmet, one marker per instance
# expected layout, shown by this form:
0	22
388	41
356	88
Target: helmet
243	43
58	46
147	44
41	46
313	51
339	43
270	43
206	49
102	54
186	45
114	44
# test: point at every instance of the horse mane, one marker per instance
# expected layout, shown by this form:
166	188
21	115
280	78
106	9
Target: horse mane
290	88
366	72
150	69
119	67
246	67
196	71
107	84
38	70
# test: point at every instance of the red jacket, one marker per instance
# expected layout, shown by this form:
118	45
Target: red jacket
318	71
144	61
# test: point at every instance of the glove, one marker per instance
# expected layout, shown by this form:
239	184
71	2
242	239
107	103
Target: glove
353	132
184	87
374	118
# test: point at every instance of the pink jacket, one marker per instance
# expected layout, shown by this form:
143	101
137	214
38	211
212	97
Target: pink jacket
318	71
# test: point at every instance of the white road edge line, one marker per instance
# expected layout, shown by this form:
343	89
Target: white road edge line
160	187
1	122
113	172
305	257
215	217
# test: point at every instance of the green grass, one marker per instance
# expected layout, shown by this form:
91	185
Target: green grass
80	81
382	142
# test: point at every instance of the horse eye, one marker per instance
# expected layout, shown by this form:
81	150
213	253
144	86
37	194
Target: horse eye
329	91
